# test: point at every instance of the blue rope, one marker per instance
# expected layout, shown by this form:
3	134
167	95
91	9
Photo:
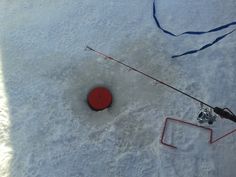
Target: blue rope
194	33
205	46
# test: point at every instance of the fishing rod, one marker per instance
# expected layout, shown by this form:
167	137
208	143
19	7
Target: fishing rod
204	116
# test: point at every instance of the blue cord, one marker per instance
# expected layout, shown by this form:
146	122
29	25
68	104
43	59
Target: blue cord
194	33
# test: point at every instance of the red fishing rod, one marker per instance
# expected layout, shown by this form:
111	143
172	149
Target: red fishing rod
204	116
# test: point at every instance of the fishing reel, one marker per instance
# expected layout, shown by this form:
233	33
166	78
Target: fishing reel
206	116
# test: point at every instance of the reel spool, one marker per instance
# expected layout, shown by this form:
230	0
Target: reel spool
206	116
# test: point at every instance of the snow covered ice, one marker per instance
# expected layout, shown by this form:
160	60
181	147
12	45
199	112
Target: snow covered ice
46	126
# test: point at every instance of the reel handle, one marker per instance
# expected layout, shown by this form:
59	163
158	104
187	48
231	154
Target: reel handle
225	114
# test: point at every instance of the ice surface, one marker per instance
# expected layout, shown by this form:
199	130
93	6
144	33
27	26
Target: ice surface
46	127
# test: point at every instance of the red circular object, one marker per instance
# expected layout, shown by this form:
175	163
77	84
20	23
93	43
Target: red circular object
99	98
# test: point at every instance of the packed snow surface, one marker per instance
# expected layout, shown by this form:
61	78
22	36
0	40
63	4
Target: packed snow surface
46	126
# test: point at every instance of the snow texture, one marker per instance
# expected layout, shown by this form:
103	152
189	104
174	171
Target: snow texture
46	127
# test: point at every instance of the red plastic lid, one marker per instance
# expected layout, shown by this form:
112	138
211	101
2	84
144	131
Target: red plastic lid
99	98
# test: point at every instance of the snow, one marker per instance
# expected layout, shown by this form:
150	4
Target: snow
46	127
